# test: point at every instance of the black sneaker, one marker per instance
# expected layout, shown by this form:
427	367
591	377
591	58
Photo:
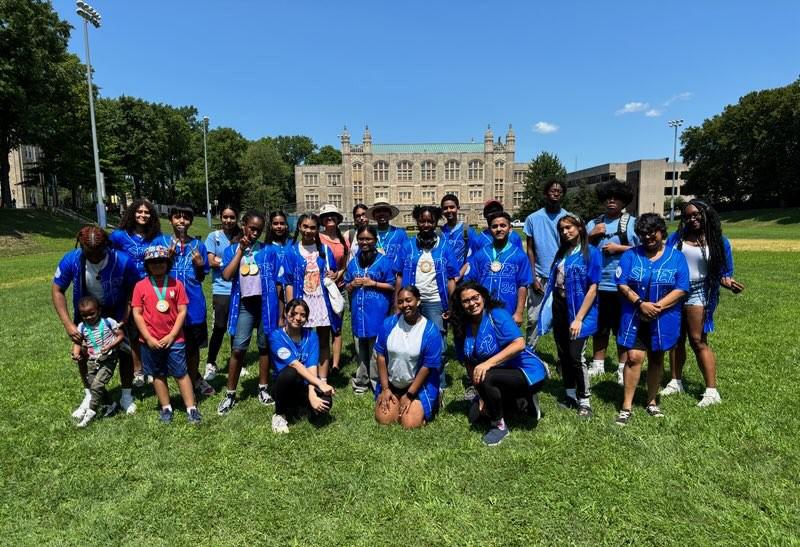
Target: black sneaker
165	415
568	403
623	417
264	397
227	404
585	412
495	436
654	411
193	416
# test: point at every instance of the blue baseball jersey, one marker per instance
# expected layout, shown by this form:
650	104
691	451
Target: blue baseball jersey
368	305
266	258
444	264
391	243
284	351
216	243
135	245
503	285
192	278
461	247
611	261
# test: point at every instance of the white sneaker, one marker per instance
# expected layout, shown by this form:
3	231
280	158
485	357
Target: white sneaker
672	388
211	372
139	379
709	398
87	417
621	376
128	405
82	408
279	424
243	372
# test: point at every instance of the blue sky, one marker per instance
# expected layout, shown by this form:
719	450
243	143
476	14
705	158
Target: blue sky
590	81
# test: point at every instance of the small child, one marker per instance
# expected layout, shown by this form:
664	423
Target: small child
159	306
101	336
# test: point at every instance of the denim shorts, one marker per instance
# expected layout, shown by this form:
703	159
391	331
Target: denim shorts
164	362
249	319
697	294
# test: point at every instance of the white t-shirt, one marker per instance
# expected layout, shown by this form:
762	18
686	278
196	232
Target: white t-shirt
403	346
92	282
426	281
698	268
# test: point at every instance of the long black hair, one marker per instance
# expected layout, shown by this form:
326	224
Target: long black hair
237	230
459	317
583	239
710	235
128	220
269	237
299	238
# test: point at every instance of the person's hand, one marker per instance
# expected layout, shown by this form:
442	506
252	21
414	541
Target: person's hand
330	274
517	318
479	373
575	329
75	354
730	283
197	260
326	389
215	262
537	286
166	341
649	310
74	334
614	248
598	230
385	399
446	315
244	243
171	250
405	404
317	403
152	343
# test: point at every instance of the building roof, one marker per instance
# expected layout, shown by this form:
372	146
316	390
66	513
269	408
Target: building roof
432	148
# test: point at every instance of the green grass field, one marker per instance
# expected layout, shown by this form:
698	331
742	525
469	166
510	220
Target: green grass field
723	475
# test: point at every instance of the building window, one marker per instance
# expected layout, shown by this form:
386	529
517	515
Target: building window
381	171
429	195
428	171
681	175
451	171
456	193
335	180
476	194
517	202
519	176
312	202
358	180
358	189
475	170
336	200
404	170
462	217
381	195
311	179
404	196
499	191
499	171
408	219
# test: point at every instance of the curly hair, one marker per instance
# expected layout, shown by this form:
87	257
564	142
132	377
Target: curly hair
436	212
128	220
459	317
650	222
710	235
614	188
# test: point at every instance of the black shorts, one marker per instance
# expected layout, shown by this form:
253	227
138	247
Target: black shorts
196	336
610	311
644	340
221	304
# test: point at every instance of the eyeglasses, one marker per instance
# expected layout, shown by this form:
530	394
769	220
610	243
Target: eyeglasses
472	300
693	216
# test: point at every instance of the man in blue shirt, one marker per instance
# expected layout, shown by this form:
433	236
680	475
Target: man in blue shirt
542	242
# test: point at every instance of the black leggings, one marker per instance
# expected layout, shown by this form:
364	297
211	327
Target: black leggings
220	304
291	393
502	388
570	352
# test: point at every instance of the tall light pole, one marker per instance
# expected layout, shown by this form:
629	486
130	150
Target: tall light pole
676	124
90	15
205	160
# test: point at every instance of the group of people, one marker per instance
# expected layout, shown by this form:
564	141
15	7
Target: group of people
138	303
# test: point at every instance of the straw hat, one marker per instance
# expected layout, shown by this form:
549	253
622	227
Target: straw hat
393	211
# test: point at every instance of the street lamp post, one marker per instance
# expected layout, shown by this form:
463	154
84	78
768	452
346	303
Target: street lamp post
676	124
205	160
90	15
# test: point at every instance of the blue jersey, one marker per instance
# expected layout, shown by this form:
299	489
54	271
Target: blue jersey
461	239
485	238
430	356
542	227
515	272
652	281
192	278
266	258
368	305
496	331
284	351
117	279
294	272
444	264
216	243
135	245
611	261
578	277
391	243
280	249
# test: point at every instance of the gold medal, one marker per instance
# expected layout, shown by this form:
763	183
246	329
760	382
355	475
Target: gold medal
496	266
253	269
425	266
162	306
244	269
380	250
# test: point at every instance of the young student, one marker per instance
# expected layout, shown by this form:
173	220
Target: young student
502	267
95	269
159	306
100	338
216	243
507	373
294	350
490	208
710	260
409	355
253	270
652	279
190	266
277	233
306	265
331	236
139	228
459	236
570	308
369	281
390	238
359	219
613	233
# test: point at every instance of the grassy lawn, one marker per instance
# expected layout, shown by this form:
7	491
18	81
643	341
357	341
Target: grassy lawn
722	475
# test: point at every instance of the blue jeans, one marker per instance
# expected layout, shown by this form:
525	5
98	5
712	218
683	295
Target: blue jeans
432	311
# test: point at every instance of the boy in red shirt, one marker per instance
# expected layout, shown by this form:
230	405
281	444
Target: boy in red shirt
159	309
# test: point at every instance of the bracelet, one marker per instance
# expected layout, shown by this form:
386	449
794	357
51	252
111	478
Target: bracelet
411	395
638	303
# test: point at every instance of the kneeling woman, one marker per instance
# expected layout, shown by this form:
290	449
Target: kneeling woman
295	353
409	356
490	344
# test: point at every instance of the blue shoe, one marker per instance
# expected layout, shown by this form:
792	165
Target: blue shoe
193	416
165	415
495	436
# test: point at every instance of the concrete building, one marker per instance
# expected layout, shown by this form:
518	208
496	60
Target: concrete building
651	181
410	174
26	184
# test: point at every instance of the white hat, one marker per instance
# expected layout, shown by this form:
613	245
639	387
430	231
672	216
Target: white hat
329	209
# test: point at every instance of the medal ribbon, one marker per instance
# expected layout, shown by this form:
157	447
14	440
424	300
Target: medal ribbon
91	332
381	238
495	254
160	294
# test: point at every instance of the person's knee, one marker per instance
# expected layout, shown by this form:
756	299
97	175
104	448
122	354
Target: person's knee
412	419
697	341
385	417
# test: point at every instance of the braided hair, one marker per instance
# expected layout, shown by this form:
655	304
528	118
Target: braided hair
711	236
91	238
317	241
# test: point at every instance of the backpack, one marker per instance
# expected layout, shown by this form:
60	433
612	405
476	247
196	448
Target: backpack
622	228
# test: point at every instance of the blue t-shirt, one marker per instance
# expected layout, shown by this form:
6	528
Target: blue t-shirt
284	351
543	228
496	331
135	245
515	272
184	271
368	305
611	261
216	243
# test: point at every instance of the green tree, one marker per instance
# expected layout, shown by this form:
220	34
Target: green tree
583	202
327	155
544	167
33	47
266	172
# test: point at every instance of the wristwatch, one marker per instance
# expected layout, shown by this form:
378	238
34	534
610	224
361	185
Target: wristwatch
411	395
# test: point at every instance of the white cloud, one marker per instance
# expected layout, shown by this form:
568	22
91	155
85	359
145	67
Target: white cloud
631	107
653	113
683	96
545	128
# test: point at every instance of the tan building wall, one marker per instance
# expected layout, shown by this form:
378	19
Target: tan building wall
22	161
